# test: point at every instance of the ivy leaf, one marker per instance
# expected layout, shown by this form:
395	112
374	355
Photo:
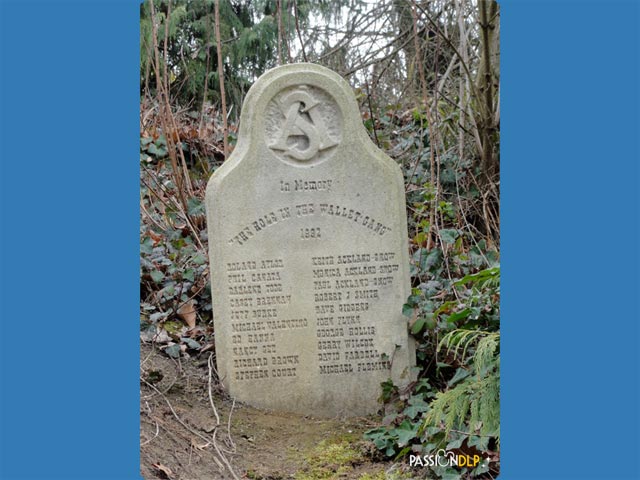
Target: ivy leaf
449	235
148	334
418	325
411	412
189	275
481	443
156	151
147	246
454	317
431	287
191	343
195	206
173	351
406	432
455	443
417	405
380	443
199	259
413	270
433	258
156	317
417	400
430	322
482	468
157	276
489	273
422	386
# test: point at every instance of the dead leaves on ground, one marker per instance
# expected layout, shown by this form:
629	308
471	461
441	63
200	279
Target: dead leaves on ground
187	312
175	337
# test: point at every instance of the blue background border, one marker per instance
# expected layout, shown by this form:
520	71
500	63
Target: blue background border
570	244
70	241
570	262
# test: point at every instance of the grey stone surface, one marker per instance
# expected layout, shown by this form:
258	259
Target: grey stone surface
309	256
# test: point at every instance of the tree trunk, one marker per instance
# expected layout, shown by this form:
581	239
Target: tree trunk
223	99
488	81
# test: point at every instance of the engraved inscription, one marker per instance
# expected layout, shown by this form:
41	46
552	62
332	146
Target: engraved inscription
257	317
310	233
305	186
345	289
276	217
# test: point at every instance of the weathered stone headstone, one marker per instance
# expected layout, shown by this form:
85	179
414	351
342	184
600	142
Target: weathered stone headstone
309	256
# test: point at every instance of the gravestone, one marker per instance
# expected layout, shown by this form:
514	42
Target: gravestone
308	249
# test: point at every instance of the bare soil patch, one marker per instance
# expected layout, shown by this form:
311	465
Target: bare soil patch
181	438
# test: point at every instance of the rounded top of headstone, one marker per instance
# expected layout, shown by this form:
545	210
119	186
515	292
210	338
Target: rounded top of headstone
302	112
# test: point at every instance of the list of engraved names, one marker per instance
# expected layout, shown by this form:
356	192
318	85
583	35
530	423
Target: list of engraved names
339	313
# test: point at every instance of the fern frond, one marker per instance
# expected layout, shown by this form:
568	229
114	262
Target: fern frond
473	405
485	355
463	339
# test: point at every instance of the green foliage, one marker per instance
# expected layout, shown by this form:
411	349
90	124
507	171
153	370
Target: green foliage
455	298
172	268
457	401
175	295
249	36
404	425
473	405
153	148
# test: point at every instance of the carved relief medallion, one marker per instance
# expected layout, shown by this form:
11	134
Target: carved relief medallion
303	125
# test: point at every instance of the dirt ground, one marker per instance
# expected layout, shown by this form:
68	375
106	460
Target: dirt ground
181	438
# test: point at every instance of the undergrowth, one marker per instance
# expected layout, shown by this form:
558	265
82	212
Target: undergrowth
454	307
453	310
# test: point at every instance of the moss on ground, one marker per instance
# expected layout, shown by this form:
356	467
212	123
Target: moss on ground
329	460
343	457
